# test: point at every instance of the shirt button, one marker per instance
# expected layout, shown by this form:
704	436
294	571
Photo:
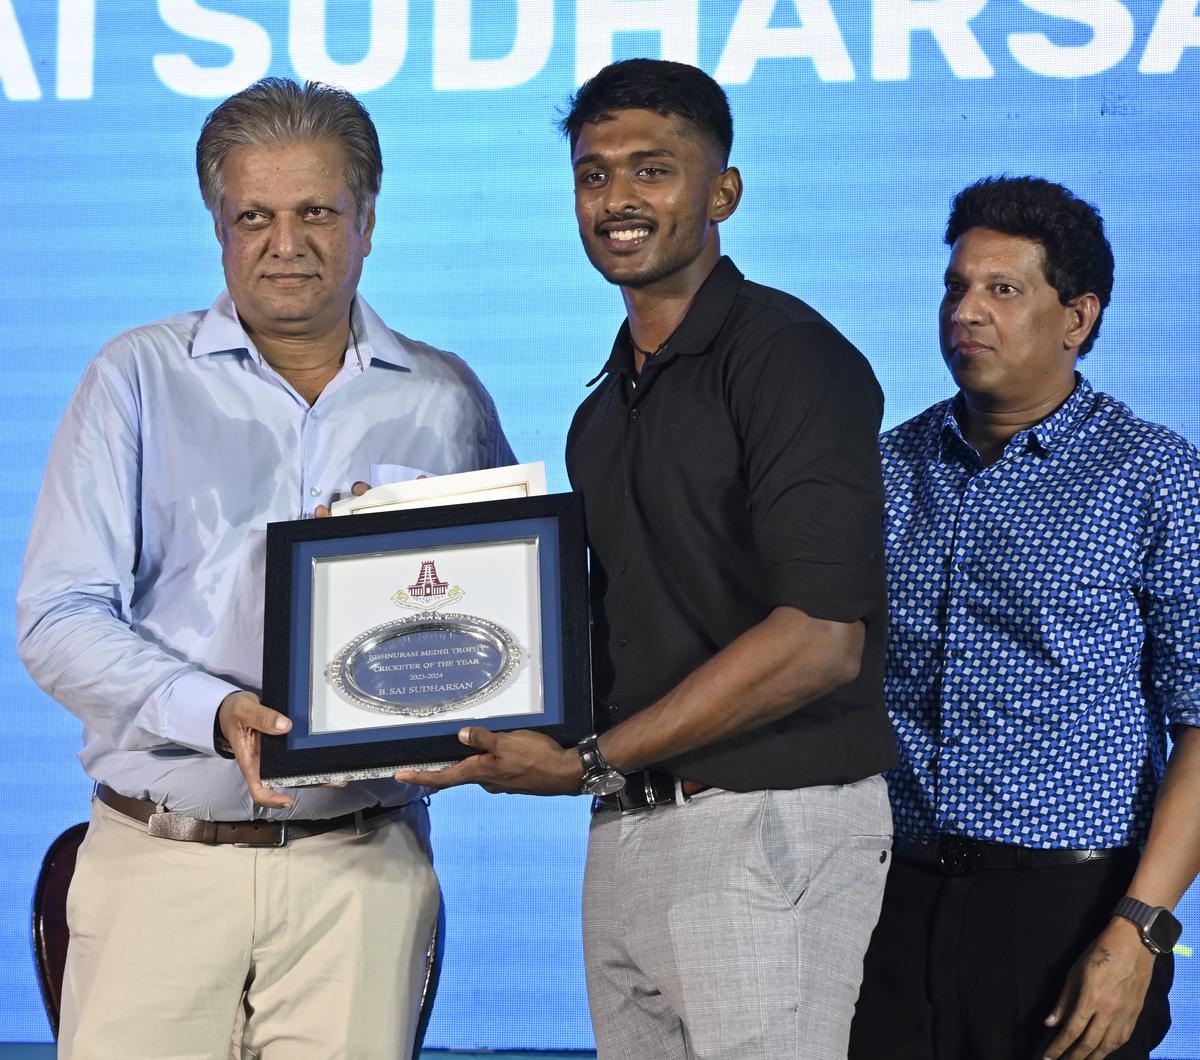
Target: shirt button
622	640
634	413
315	491
614	708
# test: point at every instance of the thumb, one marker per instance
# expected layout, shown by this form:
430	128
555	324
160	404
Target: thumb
478	739
264	719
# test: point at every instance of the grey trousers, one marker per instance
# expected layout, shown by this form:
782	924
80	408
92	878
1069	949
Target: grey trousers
733	927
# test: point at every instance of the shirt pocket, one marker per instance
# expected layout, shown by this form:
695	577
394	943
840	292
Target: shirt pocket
1085	624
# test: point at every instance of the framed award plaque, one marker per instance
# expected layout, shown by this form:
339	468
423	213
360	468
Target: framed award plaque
387	633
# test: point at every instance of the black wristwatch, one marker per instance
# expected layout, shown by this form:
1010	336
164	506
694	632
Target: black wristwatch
1160	930
221	745
599	778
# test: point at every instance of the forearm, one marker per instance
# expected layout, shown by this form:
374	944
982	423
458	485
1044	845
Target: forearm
772	669
131	692
1171	858
1106	988
74	611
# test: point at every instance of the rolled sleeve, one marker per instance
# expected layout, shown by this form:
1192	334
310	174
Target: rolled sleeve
1172	589
809	408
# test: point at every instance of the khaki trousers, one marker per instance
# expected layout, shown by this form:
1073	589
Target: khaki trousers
315	949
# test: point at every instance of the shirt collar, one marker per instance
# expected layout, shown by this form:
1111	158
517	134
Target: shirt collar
1046	434
1061	423
221	331
696	332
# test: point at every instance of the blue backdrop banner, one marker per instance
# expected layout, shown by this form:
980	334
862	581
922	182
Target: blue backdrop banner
855	123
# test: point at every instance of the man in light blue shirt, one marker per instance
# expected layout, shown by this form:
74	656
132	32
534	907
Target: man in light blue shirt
140	611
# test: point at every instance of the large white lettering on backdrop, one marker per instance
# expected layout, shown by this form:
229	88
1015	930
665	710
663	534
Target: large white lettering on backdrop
813	40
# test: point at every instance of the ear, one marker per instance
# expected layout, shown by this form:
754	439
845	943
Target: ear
1081	318
726	194
368	228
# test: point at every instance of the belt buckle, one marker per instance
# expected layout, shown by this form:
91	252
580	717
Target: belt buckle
280	842
624	800
956	856
621	801
648	789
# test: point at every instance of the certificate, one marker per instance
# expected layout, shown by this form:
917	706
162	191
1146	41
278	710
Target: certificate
387	633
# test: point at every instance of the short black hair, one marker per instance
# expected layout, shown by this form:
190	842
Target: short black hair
1078	259
674	90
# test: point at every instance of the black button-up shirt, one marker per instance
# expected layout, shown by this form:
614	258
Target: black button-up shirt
739	472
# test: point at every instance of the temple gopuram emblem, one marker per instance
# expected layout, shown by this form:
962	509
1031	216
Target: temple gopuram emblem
428	592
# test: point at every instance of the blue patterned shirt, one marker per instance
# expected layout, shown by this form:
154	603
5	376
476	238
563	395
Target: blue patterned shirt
1045	623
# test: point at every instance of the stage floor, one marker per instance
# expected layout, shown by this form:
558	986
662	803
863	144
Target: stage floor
46	1052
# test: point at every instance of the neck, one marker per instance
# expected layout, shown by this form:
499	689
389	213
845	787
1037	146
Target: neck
308	364
988	424
655	311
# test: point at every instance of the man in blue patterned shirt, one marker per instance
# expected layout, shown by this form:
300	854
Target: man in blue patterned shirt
1044	552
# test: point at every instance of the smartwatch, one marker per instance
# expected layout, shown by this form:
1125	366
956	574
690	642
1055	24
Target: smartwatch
1160	930
599	778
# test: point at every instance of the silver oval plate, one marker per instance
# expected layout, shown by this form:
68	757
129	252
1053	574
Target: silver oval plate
425	665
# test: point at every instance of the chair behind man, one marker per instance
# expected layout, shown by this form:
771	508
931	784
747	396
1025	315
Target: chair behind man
50	933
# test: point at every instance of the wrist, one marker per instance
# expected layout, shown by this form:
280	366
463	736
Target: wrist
1125	932
597	776
572	768
221	745
1155	925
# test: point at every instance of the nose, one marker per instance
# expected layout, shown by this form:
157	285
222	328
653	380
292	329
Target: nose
621	194
969	309
287	236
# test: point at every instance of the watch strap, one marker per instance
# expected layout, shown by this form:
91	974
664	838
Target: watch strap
591	757
1160	930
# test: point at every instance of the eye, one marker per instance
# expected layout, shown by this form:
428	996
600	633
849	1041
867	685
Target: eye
253	218
653	172
954	289
591	178
317	213
1005	289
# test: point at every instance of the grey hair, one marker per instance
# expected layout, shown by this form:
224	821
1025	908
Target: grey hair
276	111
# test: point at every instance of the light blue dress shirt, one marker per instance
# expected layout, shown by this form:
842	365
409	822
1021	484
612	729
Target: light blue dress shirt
140	606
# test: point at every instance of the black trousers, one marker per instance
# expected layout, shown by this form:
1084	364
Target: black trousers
968	967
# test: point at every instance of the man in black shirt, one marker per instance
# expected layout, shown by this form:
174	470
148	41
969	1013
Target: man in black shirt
731	484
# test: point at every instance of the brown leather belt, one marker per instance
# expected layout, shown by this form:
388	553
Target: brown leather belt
646	788
960	856
166	825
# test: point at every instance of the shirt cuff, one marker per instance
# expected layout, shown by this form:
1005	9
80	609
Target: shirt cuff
834	592
189	705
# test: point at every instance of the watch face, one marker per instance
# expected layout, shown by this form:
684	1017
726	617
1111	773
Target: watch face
604	783
1163	931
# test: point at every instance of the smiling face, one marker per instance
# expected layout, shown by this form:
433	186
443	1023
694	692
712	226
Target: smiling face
649	191
290	246
1006	338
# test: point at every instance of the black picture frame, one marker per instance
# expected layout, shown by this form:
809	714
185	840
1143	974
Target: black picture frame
301	552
